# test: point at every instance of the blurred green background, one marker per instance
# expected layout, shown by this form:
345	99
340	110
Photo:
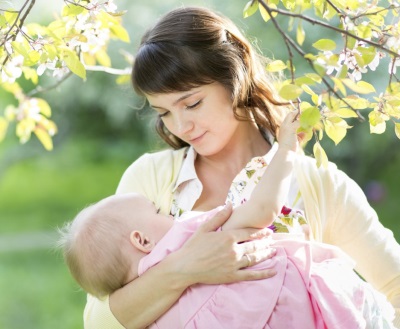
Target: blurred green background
100	134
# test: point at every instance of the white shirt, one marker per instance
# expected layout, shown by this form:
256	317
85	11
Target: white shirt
188	186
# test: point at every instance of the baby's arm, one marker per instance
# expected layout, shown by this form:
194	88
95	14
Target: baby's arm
269	195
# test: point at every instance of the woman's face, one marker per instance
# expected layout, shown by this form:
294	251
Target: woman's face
202	117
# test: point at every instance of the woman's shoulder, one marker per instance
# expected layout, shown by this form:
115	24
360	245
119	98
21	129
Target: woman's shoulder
162	156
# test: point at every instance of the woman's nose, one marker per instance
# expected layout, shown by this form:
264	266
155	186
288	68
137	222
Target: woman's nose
183	125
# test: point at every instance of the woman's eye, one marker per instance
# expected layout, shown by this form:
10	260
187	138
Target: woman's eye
193	106
162	115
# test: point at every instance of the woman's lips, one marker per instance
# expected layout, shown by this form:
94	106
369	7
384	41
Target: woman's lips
196	139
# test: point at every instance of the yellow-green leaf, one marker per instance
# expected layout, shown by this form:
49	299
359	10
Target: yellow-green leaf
30	74
44	107
11	15
307	89
290	91
123	79
103	58
397	129
44	138
300	34
346	113
119	32
264	12
360	87
21	47
377	123
320	155
276	66
335	128
357	102
339	85
250	8
72	61
324	44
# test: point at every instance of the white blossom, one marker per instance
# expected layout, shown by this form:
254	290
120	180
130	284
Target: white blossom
12	69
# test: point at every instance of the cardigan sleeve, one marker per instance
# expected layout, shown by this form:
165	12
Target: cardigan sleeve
152	175
346	219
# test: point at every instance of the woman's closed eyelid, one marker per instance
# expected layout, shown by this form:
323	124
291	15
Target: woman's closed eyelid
189	107
160	115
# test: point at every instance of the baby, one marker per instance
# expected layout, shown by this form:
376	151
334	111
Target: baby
112	242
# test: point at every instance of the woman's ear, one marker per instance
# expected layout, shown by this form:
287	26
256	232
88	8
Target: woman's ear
141	242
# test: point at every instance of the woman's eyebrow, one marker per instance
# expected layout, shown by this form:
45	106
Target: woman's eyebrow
183	97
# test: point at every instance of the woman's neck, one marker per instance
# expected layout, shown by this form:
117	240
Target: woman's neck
246	144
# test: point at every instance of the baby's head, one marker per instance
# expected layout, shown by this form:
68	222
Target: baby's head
103	245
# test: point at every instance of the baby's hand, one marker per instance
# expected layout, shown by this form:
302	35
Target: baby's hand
288	137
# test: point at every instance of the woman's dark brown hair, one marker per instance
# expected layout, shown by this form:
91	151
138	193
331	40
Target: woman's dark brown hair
193	46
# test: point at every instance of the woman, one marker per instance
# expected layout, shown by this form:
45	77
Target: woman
218	110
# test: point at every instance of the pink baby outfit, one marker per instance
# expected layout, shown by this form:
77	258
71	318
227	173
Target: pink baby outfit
315	286
306	292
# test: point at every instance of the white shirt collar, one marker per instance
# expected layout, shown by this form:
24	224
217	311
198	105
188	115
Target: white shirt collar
188	171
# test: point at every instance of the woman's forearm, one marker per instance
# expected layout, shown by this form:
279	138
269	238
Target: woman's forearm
268	196
146	298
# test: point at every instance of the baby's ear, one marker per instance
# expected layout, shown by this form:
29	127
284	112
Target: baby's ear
141	242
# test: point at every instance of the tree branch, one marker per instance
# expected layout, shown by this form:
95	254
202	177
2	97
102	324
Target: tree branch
289	41
327	26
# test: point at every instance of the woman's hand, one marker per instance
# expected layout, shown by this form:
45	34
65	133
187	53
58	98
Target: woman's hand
215	257
288	136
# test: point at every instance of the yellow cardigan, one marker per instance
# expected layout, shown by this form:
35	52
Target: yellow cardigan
336	209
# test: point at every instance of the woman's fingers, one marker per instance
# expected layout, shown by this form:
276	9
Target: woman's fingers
259	252
217	220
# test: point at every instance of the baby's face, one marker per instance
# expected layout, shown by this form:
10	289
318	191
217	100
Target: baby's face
143	215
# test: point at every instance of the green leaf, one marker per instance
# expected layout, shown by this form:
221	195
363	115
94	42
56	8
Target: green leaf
72	10
276	66
320	69
320	155
290	91
314	77
324	44
367	54
310	117
3	21
72	61
250	8
3	128
360	87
